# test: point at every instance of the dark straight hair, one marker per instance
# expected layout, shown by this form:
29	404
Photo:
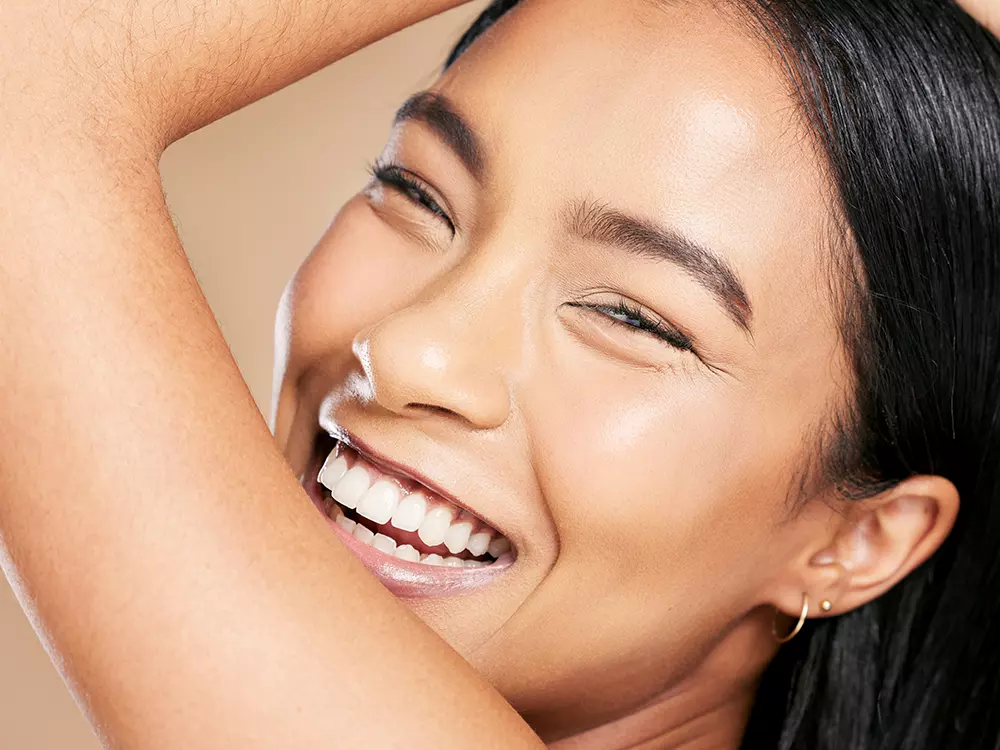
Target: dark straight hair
903	100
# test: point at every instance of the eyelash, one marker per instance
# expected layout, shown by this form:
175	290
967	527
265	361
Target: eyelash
411	187
622	311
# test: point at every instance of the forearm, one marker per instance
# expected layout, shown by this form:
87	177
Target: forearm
170	67
193	596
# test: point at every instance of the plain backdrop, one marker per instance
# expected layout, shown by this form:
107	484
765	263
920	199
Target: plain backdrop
250	195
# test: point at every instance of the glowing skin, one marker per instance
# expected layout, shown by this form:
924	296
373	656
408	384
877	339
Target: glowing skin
643	491
643	488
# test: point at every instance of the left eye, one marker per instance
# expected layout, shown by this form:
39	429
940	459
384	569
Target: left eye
630	316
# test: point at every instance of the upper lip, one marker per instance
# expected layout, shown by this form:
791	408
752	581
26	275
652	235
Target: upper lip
383	461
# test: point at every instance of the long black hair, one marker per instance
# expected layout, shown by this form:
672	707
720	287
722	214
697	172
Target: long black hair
903	99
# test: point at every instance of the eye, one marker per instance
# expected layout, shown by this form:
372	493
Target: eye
411	187
631	316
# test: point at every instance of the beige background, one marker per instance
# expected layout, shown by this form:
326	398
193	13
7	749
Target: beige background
251	194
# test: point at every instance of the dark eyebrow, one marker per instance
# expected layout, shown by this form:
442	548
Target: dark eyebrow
440	115
598	223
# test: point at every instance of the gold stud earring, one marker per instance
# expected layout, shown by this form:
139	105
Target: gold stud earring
826	605
798	625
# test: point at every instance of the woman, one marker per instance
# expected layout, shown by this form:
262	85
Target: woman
655	318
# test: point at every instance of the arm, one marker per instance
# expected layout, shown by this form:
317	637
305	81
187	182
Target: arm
175	569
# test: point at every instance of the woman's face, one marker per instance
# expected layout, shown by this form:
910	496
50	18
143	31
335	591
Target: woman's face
601	321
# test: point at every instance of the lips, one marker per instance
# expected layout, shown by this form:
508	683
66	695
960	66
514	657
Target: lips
415	540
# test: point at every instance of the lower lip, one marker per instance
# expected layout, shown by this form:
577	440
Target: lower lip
405	579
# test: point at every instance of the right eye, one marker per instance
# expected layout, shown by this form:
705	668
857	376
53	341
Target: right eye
413	188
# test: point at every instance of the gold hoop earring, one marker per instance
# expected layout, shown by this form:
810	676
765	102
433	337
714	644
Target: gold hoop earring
798	625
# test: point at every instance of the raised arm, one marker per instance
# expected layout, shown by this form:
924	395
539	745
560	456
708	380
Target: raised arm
180	577
180	64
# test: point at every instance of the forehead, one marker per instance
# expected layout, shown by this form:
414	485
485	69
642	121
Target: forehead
675	110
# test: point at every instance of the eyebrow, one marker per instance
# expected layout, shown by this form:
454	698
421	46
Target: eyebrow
437	112
595	222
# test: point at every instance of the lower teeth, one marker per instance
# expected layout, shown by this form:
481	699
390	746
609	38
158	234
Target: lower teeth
388	546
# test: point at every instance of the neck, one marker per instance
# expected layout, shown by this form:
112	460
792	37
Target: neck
706	710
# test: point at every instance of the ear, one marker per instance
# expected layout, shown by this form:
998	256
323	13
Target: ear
874	544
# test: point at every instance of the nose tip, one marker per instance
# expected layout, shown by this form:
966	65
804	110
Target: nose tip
413	369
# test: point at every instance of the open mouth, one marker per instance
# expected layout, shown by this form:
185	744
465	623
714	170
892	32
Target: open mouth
397	515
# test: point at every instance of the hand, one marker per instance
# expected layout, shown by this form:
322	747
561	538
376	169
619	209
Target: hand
987	12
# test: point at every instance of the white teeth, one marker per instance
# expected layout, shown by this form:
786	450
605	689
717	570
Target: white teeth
410	512
479	543
364	534
379	503
383	543
385	503
352	487
408	553
457	536
333	471
435	525
346	523
499	546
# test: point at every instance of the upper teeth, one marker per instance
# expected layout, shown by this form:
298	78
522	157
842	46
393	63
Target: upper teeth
383	501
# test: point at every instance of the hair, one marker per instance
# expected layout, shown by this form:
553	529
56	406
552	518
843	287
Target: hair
903	100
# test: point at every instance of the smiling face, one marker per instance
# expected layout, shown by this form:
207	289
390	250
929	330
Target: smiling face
600	321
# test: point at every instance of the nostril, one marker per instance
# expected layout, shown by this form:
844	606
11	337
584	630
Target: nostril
431	410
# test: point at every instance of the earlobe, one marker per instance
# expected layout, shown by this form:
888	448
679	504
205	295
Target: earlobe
889	536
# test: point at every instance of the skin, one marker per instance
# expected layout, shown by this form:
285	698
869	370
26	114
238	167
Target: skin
191	594
655	542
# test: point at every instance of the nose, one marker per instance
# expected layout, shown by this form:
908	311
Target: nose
449	352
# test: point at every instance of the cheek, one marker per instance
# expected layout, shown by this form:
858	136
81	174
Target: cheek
659	465
667	485
359	273
662	504
664	491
